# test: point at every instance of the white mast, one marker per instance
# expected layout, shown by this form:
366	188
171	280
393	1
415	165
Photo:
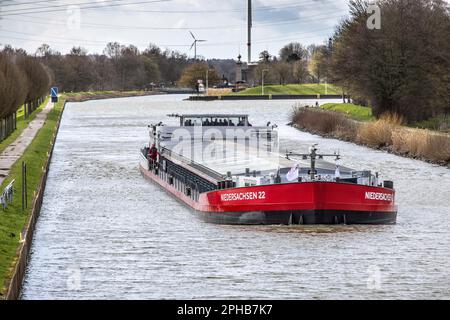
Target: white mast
250	24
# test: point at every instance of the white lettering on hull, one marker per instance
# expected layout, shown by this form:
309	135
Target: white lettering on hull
240	196
379	196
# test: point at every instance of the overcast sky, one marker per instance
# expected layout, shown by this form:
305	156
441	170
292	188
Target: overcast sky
64	23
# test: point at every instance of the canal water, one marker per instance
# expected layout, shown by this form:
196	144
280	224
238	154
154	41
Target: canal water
106	233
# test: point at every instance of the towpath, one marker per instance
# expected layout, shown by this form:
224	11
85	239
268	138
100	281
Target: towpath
16	149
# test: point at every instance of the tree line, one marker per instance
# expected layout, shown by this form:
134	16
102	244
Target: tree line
119	67
295	63
124	67
403	67
24	81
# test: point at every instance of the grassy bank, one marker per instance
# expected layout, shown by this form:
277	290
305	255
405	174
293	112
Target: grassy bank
99	95
386	133
439	123
22	123
303	89
353	111
360	113
13	220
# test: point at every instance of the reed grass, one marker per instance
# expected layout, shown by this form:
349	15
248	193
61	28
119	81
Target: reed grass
422	143
388	132
324	122
219	92
378	134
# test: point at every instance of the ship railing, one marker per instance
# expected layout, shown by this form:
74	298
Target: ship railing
211	173
265	133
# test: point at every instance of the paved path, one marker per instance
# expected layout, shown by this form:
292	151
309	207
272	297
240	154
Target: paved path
15	150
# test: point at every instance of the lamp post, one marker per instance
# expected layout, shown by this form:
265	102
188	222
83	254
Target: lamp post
207	82
262	81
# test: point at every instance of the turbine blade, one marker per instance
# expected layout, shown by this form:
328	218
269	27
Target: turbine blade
193	44
192	35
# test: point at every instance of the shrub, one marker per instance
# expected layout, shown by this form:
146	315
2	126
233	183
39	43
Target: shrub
385	132
324	122
438	123
437	148
422	144
378	134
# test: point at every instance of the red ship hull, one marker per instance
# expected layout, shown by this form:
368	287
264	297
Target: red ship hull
291	203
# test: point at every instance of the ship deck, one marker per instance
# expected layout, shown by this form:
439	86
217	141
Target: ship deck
218	158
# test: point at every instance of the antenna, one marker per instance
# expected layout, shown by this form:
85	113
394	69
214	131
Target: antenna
194	44
249	31
314	156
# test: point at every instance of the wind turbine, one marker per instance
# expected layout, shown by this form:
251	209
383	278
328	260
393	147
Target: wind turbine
194	44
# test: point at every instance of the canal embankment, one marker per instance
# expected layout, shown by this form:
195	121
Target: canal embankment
386	133
266	97
274	92
292	89
17	223
100	95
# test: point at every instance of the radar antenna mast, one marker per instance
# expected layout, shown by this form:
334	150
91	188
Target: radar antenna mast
313	156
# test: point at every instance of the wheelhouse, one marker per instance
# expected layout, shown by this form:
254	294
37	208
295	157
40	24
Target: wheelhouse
212	120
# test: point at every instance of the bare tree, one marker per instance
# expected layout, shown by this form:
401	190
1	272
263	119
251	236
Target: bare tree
38	81
292	52
300	71
198	71
403	67
23	79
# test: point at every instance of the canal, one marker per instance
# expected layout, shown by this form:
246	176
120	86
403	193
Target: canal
106	233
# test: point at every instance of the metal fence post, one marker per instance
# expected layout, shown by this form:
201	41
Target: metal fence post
24	186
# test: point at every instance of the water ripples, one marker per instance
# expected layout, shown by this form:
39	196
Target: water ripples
106	233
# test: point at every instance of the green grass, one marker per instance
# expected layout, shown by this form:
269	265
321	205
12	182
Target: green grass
13	220
439	123
21	125
354	111
292	89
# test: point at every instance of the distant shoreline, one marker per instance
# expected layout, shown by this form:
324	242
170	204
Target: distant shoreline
88	96
266	97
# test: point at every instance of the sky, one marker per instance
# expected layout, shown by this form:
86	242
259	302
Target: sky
91	24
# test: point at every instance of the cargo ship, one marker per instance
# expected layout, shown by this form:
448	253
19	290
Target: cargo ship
232	172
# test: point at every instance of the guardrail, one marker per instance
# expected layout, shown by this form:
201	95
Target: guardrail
7	195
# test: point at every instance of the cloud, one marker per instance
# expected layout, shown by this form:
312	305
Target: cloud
222	23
